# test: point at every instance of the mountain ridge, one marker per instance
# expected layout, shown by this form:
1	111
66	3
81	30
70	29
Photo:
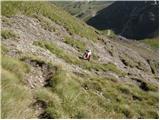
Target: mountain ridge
138	20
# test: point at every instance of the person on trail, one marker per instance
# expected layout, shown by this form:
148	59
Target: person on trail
87	55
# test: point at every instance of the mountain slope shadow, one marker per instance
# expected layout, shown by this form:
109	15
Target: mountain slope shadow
131	19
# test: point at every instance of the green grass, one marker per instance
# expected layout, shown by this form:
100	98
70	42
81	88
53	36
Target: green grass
59	98
83	10
16	97
13	65
154	65
58	51
45	23
109	33
72	96
4	49
76	61
6	34
130	62
78	45
120	93
69	98
7	21
72	25
54	107
154	43
37	59
59	83
75	43
148	85
69	95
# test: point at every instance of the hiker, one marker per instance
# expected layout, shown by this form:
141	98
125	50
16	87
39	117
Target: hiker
87	55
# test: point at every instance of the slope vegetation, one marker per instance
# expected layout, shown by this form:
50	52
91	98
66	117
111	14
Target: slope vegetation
84	9
43	77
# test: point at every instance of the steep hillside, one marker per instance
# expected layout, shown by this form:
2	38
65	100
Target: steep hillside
84	9
43	77
136	19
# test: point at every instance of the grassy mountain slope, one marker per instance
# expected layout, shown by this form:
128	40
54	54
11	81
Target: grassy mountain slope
83	10
88	11
43	77
139	20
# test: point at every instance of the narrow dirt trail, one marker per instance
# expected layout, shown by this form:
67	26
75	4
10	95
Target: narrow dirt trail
39	76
